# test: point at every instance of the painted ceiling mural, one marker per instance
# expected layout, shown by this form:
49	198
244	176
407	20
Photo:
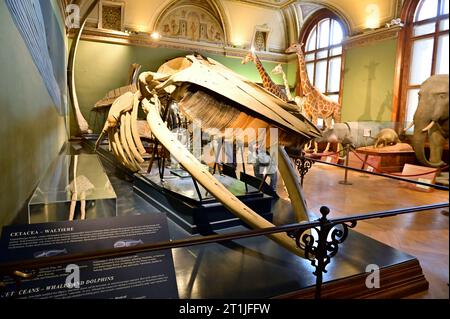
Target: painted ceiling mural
191	23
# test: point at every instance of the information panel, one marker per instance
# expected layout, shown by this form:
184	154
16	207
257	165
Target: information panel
144	275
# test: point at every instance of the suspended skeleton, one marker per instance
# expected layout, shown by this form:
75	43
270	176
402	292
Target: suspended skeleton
197	88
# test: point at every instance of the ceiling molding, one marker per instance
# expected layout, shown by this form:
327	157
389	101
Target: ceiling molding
144	40
372	37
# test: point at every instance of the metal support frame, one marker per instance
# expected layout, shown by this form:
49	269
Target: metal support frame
347	156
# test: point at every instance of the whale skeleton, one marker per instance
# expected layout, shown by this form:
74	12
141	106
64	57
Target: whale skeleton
222	99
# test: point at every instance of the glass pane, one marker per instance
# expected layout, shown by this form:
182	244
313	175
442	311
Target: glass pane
424	29
336	51
309	57
444	8
442	55
334	97
324	33
426	9
411	105
319	123
337	34
311	42
422	56
443	25
322	54
321	74
334	75
310	70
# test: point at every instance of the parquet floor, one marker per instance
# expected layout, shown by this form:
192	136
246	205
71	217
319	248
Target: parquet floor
424	235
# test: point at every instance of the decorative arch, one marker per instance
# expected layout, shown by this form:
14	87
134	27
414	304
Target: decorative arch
319	15
194	20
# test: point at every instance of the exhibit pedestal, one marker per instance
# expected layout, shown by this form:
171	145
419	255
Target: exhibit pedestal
73	187
397	281
195	215
390	159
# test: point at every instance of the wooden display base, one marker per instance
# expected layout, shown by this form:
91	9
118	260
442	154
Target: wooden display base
397	281
388	159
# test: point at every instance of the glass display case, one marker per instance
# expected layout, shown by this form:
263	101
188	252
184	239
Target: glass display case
73	187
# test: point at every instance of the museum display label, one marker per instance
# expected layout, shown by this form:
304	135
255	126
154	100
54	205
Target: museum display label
143	275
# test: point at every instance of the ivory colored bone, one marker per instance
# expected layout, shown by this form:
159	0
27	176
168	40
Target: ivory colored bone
124	103
211	184
114	147
126	161
129	137
133	122
428	127
247	94
124	143
292	183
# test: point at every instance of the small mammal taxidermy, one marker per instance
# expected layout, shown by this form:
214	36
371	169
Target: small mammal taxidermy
386	137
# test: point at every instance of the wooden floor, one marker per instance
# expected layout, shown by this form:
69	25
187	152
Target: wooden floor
424	235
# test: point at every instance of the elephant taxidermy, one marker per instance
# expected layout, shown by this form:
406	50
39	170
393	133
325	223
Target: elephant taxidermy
431	119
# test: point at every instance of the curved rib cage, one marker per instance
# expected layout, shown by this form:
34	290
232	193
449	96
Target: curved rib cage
206	90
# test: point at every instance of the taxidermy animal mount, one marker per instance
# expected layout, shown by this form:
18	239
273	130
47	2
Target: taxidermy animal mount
386	137
352	133
431	120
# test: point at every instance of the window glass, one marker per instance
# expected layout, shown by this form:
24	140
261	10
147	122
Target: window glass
324	33
411	105
310	70
334	75
424	29
442	55
311	42
443	25
444	7
336	33
336	51
334	97
321	74
429	50
427	9
309	57
323	56
422	57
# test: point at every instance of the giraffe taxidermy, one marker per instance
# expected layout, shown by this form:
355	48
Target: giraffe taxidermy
315	104
268	84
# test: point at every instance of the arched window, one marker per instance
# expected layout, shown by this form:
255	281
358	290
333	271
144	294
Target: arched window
426	51
323	35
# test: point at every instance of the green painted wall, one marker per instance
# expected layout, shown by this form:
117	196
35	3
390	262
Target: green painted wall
102	67
368	82
32	132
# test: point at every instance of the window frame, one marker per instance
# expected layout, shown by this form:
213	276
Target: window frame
309	25
405	45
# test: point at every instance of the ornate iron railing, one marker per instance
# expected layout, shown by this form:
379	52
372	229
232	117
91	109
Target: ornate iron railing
319	249
304	168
